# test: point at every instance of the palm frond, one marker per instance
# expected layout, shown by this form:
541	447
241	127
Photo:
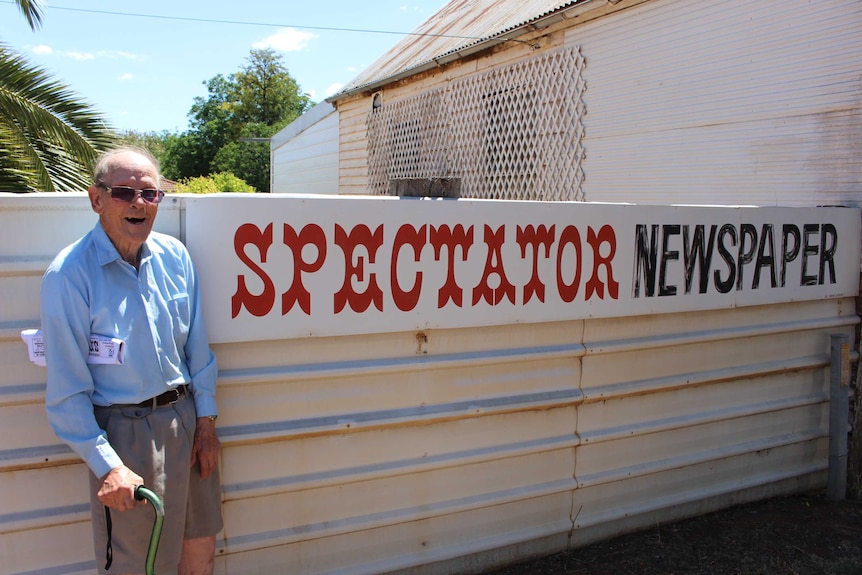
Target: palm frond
30	10
14	172
48	132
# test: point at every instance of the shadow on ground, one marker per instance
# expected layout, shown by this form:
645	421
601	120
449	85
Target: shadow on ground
799	535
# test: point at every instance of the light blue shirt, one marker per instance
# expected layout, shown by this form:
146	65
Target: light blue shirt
155	310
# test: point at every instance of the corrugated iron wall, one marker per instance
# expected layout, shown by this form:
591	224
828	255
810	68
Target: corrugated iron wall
442	451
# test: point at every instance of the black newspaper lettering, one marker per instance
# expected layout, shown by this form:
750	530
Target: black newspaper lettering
827	253
767	240
724	286
745	256
666	256
789	250
695	250
646	253
809	249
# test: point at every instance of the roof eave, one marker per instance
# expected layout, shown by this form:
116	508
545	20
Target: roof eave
479	46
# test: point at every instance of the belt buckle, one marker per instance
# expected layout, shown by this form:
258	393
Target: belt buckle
176	397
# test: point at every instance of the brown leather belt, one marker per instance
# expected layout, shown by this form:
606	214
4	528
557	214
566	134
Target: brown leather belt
169	397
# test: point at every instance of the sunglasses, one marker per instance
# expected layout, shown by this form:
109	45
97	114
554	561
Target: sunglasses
127	194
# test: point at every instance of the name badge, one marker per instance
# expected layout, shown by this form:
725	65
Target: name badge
103	349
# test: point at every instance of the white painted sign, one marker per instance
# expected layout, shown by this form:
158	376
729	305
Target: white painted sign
296	266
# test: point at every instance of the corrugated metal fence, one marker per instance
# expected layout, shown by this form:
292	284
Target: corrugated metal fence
446	450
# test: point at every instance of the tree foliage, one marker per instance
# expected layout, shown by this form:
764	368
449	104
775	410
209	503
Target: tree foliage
251	104
212	184
266	93
49	137
248	156
153	142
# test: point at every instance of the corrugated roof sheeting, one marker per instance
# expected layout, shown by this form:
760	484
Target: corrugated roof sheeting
460	24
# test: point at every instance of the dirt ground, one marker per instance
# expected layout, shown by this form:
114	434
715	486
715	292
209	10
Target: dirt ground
799	535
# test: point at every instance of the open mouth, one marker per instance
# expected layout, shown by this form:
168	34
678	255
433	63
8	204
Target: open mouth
136	221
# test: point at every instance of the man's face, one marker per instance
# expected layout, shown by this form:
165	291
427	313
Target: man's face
128	224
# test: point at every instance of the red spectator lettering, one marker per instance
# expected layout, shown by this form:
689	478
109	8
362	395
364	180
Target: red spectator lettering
406	235
359	236
534	238
450	238
568	292
494	265
594	284
361	248
311	235
257	304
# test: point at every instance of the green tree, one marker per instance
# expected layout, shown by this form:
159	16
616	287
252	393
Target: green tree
266	92
247	156
183	157
255	102
49	138
213	120
211	126
153	142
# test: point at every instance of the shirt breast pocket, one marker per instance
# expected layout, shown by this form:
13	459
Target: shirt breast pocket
179	308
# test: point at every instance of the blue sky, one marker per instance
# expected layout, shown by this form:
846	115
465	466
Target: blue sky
141	64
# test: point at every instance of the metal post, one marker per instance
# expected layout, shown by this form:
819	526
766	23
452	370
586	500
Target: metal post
839	409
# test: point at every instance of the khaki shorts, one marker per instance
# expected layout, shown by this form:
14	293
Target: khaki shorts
156	444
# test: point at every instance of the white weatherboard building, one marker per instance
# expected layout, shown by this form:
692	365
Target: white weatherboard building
646	101
304	156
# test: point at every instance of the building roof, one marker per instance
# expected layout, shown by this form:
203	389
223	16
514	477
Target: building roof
460	28
300	124
167	185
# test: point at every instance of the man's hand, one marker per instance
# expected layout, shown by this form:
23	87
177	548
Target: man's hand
118	489
206	447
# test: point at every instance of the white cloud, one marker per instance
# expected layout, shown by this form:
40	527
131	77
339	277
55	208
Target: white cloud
332	89
126	76
45	50
287	40
117	55
78	55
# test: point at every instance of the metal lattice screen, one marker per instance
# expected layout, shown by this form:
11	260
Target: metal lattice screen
513	132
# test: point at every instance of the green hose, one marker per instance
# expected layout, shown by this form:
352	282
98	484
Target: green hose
142	493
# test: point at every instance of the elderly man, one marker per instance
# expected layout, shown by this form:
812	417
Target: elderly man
150	420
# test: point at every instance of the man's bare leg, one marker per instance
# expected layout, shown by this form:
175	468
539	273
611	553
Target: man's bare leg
198	556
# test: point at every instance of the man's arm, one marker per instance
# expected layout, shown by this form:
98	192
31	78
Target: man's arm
66	330
203	370
200	360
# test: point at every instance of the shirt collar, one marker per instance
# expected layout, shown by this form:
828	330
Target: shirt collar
106	250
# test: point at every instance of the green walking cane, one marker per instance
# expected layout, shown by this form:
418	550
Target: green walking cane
142	493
